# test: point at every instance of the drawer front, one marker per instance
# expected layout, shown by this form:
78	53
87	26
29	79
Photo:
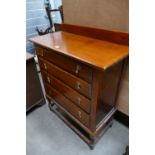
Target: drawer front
76	83
39	51
68	92
76	68
68	105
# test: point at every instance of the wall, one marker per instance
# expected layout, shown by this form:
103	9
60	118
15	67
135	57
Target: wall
105	14
36	17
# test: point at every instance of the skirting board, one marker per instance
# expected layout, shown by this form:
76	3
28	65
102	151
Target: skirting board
122	118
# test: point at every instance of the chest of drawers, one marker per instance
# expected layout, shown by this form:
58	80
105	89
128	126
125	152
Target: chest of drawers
81	84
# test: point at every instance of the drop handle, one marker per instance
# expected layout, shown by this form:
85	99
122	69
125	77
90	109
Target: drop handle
79	113
45	66
79	100
78	68
78	85
49	80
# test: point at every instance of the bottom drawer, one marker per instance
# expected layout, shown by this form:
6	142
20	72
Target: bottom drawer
68	105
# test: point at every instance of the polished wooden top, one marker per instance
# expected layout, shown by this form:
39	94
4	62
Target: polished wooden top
97	53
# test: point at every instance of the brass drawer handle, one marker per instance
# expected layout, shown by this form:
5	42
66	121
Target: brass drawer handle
78	68
79	113
79	100
48	79
45	66
78	85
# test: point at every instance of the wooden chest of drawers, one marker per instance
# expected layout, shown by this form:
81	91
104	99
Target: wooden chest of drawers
80	91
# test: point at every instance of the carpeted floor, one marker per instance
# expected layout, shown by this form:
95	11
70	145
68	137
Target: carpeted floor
48	135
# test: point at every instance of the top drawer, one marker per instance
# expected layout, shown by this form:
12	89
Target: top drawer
76	68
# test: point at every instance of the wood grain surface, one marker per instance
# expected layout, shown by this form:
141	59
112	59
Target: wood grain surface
97	53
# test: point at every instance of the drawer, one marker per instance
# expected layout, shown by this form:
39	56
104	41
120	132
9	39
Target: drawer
68	105
74	82
68	92
39	51
73	66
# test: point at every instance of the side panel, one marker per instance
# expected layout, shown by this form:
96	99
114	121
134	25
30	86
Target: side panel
108	91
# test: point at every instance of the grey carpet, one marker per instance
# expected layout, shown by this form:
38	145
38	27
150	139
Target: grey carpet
46	134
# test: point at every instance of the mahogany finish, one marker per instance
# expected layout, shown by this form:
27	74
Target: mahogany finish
108	88
81	76
71	80
97	53
112	36
68	92
74	67
68	105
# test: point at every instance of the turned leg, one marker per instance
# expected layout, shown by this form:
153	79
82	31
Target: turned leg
92	146
50	103
92	142
111	123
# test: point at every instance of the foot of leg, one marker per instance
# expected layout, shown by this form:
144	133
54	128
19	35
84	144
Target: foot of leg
50	105
110	125
92	146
